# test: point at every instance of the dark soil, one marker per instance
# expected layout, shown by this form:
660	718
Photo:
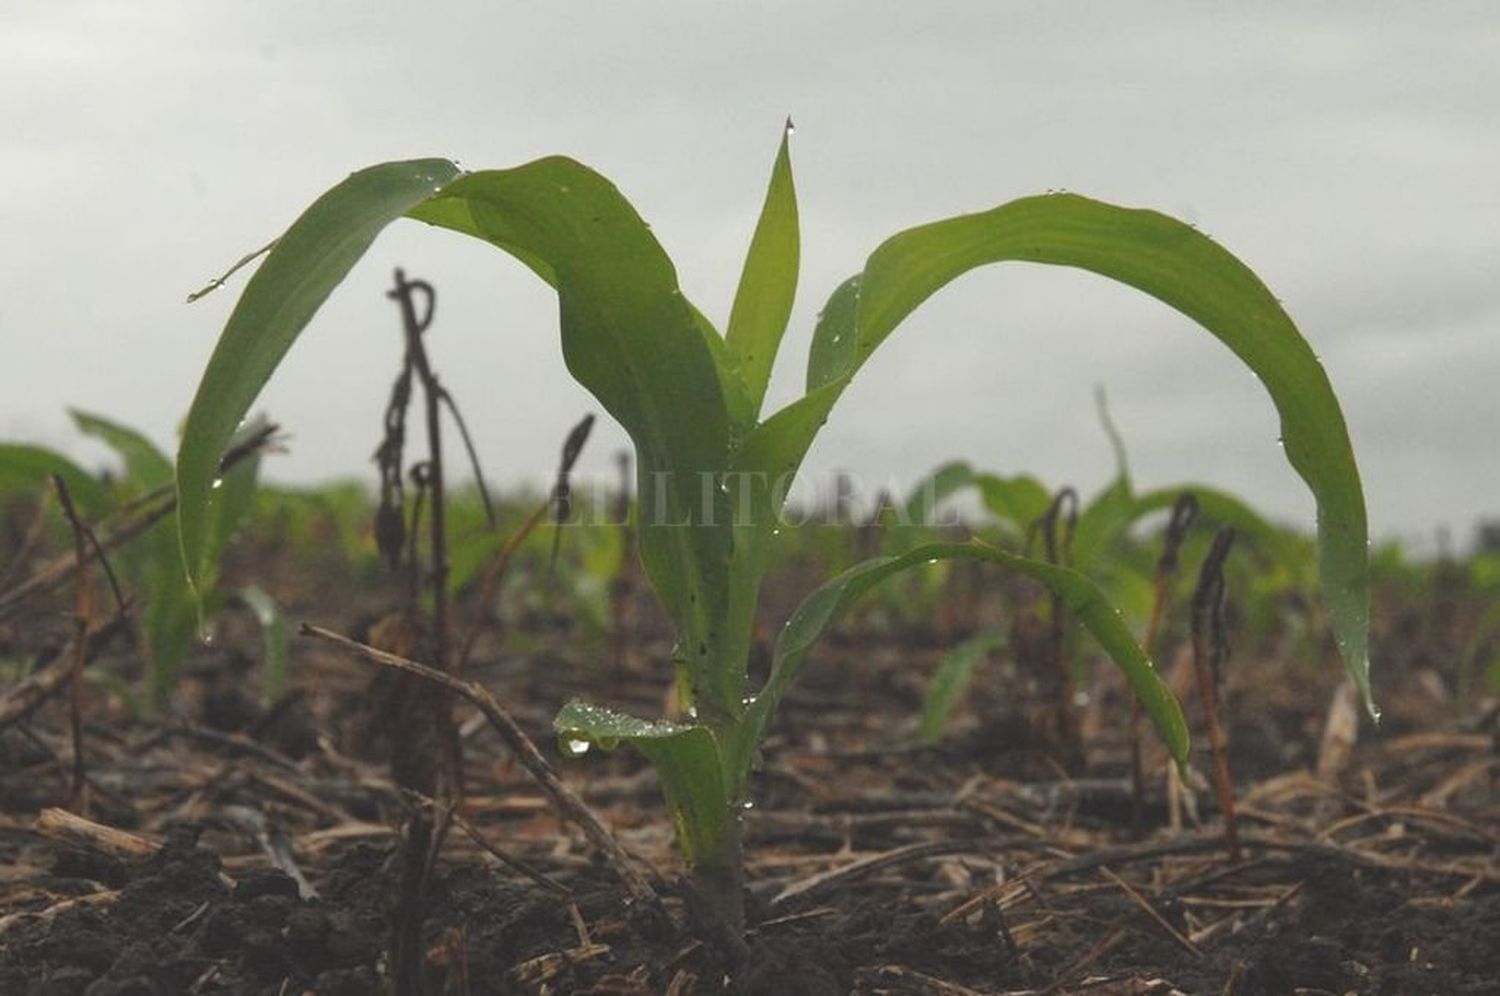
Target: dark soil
999	861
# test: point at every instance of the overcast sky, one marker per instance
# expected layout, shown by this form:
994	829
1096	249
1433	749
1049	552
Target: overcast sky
1350	154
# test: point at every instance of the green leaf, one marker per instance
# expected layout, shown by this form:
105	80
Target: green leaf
932	490
1116	440
951	681
1102	524
743	410
145	466
235	497
1180	267
176	612
30	468
1019	500
1082	597
275	640
170	619
830	359
914	520
685	757
638	345
298	274
768	283
628	335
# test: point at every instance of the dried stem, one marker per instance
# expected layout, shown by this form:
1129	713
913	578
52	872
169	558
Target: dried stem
1184	511
463	434
427	712
84	540
1210	648
432	391
562	491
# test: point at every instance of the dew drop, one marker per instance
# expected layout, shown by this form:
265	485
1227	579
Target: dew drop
218	483
575	748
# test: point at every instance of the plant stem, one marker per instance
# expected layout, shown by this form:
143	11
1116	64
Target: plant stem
432	393
1209	651
430	710
719	882
1184	510
83	612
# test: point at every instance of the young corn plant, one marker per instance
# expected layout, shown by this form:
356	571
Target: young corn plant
1019	506
712	471
171	619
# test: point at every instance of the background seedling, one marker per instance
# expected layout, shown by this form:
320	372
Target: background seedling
133	516
711	472
558	503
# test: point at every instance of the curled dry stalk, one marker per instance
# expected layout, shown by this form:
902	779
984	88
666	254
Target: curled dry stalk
1210	650
562	490
425	747
1184	511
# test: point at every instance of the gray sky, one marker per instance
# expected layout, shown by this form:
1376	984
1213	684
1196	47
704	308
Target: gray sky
1350	154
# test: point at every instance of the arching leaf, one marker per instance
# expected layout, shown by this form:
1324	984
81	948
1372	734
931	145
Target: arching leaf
293	281
1177	265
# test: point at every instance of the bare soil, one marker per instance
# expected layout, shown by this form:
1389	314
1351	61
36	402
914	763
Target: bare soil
999	861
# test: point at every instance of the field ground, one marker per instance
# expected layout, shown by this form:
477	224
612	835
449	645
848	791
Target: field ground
1001	860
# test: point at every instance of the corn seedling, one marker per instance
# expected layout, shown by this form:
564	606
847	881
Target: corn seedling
1094	544
133	513
712	473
